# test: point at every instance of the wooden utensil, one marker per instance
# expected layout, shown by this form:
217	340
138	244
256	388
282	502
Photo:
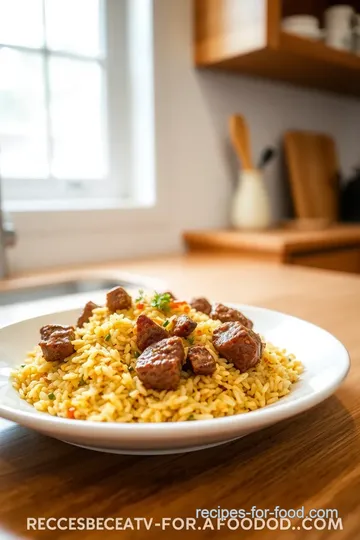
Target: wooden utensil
240	138
314	174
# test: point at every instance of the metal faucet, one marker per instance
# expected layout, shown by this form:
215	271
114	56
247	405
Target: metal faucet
7	238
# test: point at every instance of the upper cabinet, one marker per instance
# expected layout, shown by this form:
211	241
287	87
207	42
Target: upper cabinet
246	36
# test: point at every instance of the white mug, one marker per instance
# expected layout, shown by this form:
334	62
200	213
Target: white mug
338	17
339	39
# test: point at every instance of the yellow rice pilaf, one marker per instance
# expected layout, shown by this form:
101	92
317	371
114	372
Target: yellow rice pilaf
99	383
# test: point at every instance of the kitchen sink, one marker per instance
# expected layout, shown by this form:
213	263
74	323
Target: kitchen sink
65	288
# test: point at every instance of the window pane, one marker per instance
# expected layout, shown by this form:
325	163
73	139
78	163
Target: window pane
22	115
21	23
74	26
77	118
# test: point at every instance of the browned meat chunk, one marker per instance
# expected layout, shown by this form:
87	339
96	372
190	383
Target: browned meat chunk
201	361
159	366
46	331
183	326
118	298
148	332
227	314
56	342
201	304
238	344
86	314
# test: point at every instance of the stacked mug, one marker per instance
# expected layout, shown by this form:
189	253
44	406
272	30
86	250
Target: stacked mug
357	34
339	25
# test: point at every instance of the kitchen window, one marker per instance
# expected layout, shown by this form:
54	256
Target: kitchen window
70	108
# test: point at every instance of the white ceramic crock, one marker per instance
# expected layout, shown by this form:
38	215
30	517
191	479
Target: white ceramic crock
250	204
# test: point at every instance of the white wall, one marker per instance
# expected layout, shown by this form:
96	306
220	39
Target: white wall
192	111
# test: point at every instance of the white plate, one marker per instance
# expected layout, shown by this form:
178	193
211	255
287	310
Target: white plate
325	359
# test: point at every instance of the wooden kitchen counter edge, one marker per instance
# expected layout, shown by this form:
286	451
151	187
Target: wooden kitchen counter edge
275	241
157	267
312	460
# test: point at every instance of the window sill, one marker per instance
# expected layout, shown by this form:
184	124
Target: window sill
20	207
92	233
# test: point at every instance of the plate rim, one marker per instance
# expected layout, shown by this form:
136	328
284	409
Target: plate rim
253	420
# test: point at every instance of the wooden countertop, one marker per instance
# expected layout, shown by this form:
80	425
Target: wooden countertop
278	242
311	460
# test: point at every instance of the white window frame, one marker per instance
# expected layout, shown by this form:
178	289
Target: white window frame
123	186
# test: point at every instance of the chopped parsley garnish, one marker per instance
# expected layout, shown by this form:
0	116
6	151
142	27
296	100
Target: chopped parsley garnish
140	298
190	340
166	323
191	417
161	301
107	337
136	354
82	382
22	365
51	396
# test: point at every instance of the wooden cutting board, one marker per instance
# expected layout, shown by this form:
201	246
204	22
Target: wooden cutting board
314	174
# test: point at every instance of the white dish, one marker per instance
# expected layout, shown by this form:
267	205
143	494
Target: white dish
303	25
304	21
315	35
325	359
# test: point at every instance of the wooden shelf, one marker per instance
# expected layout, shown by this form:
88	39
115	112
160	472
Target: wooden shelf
277	241
335	248
245	36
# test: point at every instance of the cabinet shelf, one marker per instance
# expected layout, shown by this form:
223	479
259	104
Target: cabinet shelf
246	37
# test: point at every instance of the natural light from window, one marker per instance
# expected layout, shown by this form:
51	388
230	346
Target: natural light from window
52	89
76	101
